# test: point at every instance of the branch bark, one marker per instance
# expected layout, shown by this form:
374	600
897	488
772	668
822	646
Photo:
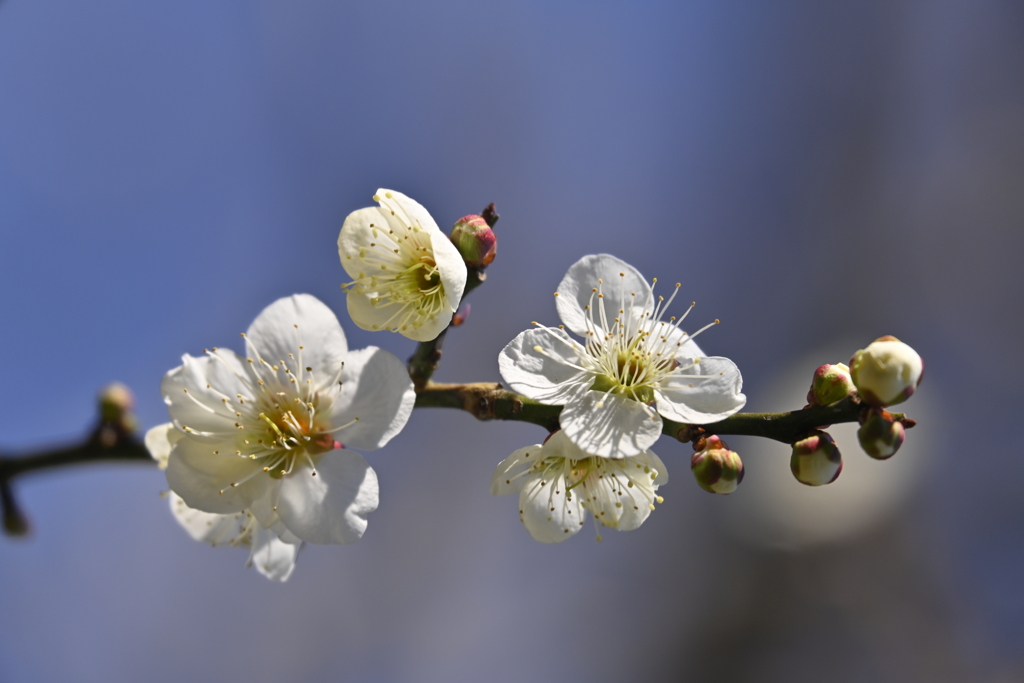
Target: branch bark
490	401
108	442
126	449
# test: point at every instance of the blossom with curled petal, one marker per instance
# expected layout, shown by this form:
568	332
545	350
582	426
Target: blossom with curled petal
559	485
631	368
407	276
272	556
261	432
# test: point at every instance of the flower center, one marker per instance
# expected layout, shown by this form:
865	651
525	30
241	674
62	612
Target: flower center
632	351
420	279
292	436
401	270
428	278
626	371
282	423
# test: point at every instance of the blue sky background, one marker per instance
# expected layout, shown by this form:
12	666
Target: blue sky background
815	174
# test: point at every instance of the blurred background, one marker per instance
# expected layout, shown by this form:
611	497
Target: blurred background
815	174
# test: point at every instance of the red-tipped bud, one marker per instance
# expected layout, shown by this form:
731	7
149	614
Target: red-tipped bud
880	435
887	372
831	383
816	460
475	240
715	467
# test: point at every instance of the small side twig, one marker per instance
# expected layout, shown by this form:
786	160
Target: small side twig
113	439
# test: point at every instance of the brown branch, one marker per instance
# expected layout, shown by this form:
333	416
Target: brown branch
91	451
106	443
489	401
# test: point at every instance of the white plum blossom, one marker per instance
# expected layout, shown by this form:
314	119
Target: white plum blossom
272	556
261	432
559	485
407	276
632	368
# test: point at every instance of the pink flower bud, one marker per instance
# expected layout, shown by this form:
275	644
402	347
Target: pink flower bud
475	240
880	435
887	372
831	383
716	468
816	460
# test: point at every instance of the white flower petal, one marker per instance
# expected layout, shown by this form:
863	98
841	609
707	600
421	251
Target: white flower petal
559	445
356	233
509	475
637	501
209	527
603	491
159	440
609	425
550	513
294	321
707	400
620	291
551	377
194	390
651	459
329	508
264	508
376	389
265	511
199	476
406	209
367	316
272	557
452	268
430	327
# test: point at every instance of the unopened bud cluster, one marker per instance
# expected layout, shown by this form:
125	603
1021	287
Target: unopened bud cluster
885	373
715	467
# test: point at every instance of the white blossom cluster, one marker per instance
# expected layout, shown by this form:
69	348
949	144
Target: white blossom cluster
264	447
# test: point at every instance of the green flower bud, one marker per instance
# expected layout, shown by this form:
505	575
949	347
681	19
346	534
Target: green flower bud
830	384
887	372
816	460
715	467
880	435
475	240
